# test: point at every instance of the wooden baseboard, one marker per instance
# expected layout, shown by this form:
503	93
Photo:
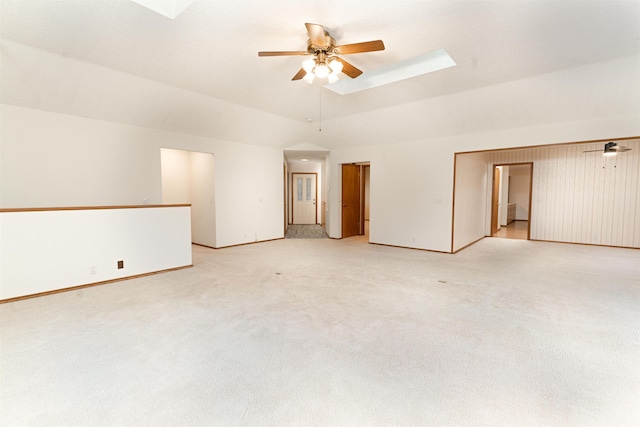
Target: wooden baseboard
408	247
466	246
204	246
250	243
585	244
90	285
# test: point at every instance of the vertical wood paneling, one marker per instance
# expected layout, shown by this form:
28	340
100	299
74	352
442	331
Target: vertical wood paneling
533	213
617	221
587	202
551	158
597	201
635	207
560	166
578	198
541	205
610	188
569	194
583	197
552	185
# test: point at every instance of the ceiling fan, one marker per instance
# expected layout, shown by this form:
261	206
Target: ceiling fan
610	149
325	61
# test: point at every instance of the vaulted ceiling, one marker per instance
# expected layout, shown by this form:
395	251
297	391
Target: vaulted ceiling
211	49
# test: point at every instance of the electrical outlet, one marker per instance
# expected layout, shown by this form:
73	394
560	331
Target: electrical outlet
93	269
120	264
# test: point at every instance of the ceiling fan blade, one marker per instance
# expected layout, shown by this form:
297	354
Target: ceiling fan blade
300	74
349	69
593	151
371	46
316	34
620	148
284	53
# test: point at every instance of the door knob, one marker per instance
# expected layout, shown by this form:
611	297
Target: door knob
344	205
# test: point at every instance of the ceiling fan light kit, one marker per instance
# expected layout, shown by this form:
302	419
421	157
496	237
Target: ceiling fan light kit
326	63
610	149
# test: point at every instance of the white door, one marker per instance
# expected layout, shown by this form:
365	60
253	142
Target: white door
304	198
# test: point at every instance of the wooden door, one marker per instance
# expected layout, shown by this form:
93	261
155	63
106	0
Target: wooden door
350	200
304	198
495	198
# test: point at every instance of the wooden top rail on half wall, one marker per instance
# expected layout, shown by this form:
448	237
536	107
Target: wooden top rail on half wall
89	208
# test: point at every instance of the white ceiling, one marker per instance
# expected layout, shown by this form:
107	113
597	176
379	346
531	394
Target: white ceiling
211	48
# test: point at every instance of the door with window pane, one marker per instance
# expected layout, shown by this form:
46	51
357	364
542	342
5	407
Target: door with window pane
304	198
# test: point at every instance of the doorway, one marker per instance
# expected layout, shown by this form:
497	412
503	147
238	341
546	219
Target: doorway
189	177
511	200
284	197
366	205
355	199
304	197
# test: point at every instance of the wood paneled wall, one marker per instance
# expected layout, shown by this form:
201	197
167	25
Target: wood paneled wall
582	197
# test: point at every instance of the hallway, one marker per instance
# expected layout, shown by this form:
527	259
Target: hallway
515	230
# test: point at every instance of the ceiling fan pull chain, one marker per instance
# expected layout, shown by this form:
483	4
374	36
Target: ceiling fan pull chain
320	113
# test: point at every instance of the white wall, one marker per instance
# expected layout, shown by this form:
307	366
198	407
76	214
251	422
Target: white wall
582	197
471	181
520	177
51	159
43	251
41	80
175	166
411	194
203	209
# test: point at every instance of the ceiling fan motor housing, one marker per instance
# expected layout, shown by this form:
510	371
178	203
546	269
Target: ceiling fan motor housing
328	48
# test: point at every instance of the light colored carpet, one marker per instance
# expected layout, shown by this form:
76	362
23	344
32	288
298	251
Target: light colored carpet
331	333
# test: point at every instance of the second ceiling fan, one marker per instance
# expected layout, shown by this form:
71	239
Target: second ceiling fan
610	149
325	61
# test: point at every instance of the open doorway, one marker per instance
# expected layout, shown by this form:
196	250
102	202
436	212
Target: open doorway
511	200
189	177
366	187
306	192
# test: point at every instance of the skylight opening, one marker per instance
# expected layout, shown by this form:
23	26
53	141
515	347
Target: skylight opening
412	67
169	8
